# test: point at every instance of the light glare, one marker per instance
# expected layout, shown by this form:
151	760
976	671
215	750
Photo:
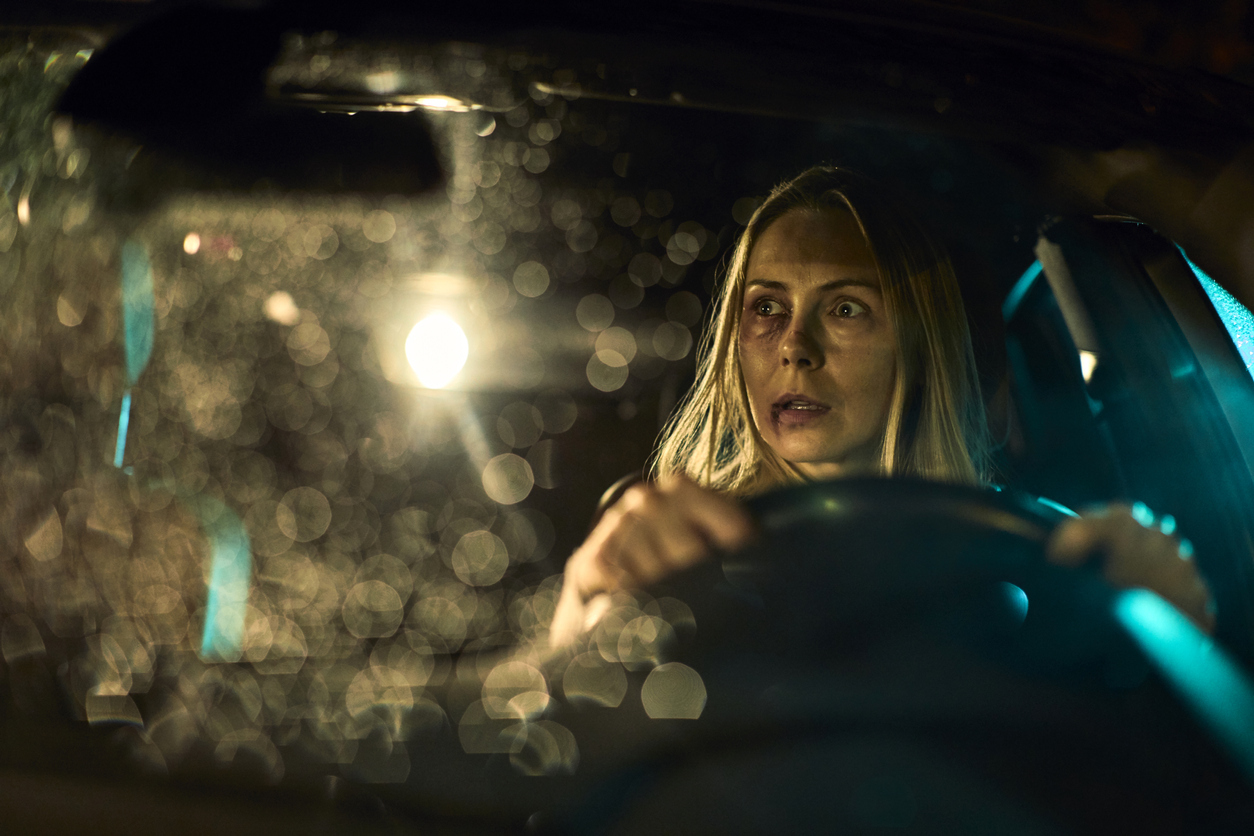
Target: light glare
281	308
1088	362
442	103
191	244
437	350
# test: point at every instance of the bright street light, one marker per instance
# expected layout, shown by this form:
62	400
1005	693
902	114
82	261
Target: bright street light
437	349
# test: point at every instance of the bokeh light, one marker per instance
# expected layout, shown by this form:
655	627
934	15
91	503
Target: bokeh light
437	349
399	547
673	691
281	308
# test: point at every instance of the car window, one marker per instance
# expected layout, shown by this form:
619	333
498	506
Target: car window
1164	389
1236	317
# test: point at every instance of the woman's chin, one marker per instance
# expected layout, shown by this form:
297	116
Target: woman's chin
821	461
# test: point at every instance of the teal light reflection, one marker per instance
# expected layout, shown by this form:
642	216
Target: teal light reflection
1016	599
1236	317
1020	290
1210	683
1057	506
230	574
124	423
138	325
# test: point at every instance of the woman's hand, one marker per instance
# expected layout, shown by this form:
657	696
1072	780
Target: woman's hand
654	530
1136	552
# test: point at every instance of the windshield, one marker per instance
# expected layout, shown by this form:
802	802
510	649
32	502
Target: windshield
283	468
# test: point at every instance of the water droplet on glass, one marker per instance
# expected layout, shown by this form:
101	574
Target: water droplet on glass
645	269
625	211
308	514
607	370
595	312
480	558
372	609
591	679
379	226
672	341
685	308
531	279
618	340
673	691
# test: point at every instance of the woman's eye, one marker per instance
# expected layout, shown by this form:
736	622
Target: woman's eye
767	307
849	309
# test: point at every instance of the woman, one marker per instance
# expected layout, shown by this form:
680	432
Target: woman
839	346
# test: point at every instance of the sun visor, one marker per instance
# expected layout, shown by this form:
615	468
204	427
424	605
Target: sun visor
189	88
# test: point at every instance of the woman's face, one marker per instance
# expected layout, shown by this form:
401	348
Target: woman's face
816	346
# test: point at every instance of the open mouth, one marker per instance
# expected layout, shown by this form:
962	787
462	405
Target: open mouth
796	408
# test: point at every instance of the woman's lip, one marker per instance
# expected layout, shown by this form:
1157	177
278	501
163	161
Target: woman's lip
792	397
798	417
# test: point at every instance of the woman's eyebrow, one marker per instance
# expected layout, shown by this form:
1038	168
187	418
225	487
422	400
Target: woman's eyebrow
834	285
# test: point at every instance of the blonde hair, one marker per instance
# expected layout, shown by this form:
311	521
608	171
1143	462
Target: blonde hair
936	426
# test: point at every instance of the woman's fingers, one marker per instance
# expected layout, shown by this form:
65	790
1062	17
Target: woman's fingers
1135	552
721	520
653	531
657	530
660	535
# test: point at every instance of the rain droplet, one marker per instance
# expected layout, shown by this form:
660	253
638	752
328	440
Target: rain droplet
625	211
607	370
558	410
582	237
441	621
379	226
480	558
595	312
644	641
309	514
625	293
321	242
372	609
659	203
543	747
673	691
531	278
519	424
645	269
566	214
591	679
537	160
508	479
388	569
20	638
683	248
44	543
672	341
265	531
618	340
508	682
684	308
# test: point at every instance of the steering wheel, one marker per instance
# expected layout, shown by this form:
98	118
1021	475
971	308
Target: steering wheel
897	652
900	654
870	550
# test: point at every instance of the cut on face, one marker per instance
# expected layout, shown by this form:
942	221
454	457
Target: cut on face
817	348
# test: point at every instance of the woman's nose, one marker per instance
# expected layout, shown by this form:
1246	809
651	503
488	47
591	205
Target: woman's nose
799	348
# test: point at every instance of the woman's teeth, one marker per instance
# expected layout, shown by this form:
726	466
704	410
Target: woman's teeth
801	405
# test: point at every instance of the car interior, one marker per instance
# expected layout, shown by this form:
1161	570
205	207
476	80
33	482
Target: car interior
328	324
